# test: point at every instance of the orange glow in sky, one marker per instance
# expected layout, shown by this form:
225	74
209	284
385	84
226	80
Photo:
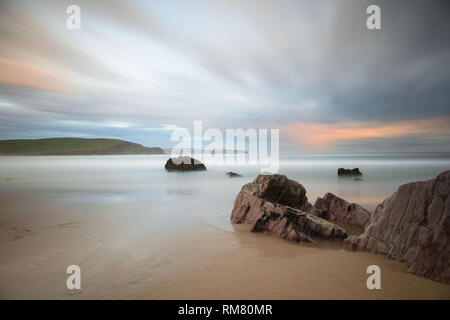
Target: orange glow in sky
319	135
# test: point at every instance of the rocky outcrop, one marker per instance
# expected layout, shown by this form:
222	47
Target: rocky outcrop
294	225
333	208
184	164
276	205
433	254
273	188
349	172
413	225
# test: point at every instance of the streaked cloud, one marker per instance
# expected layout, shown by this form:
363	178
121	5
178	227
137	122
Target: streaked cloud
26	74
137	66
321	135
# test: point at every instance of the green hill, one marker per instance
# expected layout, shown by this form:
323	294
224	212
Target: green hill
73	146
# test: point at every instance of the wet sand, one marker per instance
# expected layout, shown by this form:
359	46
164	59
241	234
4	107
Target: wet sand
129	253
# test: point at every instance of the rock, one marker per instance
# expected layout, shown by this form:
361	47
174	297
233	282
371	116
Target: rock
233	174
275	188
349	172
434	251
295	225
413	225
184	164
276	205
333	208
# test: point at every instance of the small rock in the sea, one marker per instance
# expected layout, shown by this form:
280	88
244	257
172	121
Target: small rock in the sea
349	172
233	174
184	164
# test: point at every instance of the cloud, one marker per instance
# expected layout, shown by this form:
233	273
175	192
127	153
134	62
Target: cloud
229	63
320	135
26	74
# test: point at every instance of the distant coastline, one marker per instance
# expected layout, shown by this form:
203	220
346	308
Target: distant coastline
73	146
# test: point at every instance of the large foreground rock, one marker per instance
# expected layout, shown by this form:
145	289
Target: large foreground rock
333	208
413	225
276	205
274	188
294	225
184	164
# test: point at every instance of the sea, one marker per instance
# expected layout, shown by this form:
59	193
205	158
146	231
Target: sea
209	195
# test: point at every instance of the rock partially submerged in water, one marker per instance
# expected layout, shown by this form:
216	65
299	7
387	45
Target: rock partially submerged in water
349	172
278	206
333	208
233	174
274	188
413	225
184	164
294	225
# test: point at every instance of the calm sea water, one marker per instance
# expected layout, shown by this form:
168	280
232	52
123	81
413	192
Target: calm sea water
141	181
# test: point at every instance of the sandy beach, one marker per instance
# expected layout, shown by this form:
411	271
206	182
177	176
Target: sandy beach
123	256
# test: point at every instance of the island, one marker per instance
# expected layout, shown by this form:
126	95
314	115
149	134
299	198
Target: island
73	146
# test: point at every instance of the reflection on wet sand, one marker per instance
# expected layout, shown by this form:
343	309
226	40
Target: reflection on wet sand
257	266
127	252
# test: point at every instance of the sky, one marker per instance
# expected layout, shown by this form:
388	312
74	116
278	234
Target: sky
137	70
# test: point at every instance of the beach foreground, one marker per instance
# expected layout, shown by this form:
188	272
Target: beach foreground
140	232
122	257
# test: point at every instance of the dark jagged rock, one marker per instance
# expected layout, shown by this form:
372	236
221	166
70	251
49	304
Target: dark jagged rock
276	205
433	253
295	225
275	188
184	164
233	174
349	172
333	208
413	225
